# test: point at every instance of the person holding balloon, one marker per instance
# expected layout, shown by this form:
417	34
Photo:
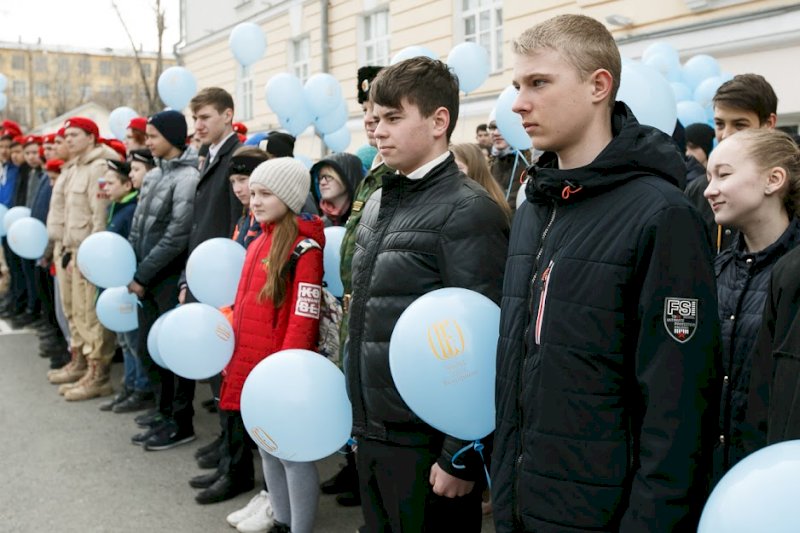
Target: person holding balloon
752	187
607	365
159	236
281	285
427	228
85	212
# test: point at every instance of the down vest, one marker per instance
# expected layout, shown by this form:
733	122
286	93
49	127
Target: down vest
162	220
259	328
415	236
606	365
742	285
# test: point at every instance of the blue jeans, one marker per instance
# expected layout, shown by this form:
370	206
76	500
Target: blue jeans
135	375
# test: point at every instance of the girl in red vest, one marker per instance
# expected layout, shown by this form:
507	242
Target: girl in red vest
274	311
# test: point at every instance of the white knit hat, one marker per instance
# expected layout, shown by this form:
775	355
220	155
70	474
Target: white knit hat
287	178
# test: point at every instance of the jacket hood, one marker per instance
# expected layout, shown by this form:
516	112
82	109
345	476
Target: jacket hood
187	159
634	150
348	166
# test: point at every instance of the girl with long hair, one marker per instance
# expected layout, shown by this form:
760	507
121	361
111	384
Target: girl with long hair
472	162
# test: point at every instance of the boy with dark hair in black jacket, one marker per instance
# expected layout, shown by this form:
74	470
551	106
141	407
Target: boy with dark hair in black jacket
607	360
453	235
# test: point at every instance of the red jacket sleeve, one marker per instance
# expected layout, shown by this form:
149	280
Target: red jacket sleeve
304	302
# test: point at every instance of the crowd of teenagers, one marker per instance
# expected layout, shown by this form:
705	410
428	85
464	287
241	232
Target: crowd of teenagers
649	335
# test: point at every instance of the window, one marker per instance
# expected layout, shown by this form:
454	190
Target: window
244	93
40	64
63	64
482	23
124	68
19	88
84	93
105	68
374	47
84	65
148	68
18	62
299	57
41	89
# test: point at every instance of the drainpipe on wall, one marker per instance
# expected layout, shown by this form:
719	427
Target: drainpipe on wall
324	37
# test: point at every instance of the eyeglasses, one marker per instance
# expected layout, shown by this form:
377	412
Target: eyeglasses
324	178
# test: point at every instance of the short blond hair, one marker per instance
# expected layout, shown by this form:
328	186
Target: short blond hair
583	41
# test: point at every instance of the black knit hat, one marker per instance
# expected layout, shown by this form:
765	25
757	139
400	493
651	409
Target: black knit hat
365	77
278	144
120	167
172	125
142	155
700	135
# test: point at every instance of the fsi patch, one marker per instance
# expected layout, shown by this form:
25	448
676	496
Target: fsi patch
308	298
680	318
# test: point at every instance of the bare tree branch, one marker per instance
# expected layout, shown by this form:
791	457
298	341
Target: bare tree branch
151	95
160	27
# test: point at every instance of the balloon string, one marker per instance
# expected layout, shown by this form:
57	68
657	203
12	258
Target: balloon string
513	173
478	447
351	443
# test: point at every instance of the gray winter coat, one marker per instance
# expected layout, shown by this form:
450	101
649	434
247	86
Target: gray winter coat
163	218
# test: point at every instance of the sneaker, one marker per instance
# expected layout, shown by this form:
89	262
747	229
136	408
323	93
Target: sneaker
148	419
259	522
256	504
168	436
142	437
136	401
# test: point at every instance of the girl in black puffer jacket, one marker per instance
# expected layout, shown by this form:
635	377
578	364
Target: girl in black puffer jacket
752	189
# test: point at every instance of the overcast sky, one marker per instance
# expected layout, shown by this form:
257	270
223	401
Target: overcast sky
87	23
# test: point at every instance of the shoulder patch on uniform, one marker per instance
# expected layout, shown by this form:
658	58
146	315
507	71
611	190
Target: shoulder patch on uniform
308	299
680	318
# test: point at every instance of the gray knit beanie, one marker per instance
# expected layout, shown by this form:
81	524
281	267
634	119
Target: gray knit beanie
287	178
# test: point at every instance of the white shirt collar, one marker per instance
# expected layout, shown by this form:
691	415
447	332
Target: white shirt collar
422	171
214	148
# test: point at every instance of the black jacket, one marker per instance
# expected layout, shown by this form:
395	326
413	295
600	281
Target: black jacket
606	408
696	171
773	407
742	285
720	237
414	237
507	175
216	208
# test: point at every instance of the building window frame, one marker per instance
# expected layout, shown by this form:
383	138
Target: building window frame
18	62
244	92
486	20
299	60
19	88
374	37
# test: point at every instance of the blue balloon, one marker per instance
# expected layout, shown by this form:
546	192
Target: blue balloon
107	259
649	96
339	140
510	123
295	406
28	238
247	42
681	91
213	271
3	101
690	112
305	160
3	211
116	309
332	121
3	83
196	341
726	76
758	494
152	341
660	48
332	261
119	119
297	122
706	90
176	86
14	214
410	52
666	64
442	358
256	138
323	93
470	63
710	115
698	68
284	94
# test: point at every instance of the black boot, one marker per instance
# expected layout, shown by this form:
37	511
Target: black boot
136	401
279	527
120	397
226	487
346	480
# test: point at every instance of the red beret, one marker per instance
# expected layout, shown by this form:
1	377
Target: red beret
54	165
11	128
138	123
32	139
60	132
85	124
117	146
50	138
18	139
242	138
240	128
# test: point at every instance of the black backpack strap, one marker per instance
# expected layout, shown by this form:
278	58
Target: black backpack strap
301	248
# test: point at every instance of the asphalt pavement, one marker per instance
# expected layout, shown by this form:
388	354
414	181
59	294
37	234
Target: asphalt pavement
69	467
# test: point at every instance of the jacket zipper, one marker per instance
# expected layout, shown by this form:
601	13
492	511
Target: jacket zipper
542	301
521	430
